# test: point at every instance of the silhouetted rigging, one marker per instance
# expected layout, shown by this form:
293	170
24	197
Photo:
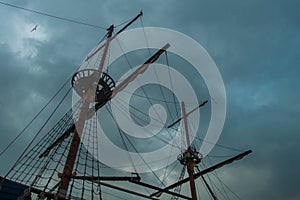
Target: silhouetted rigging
60	166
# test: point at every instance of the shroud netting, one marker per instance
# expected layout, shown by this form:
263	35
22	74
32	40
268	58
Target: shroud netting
42	163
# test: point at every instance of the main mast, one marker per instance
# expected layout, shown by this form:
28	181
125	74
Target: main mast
88	96
95	86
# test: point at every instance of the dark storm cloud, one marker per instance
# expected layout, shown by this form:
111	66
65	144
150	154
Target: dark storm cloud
258	57
255	44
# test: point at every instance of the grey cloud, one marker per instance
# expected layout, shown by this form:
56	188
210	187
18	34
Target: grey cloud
255	45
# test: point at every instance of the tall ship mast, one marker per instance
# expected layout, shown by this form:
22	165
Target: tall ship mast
64	162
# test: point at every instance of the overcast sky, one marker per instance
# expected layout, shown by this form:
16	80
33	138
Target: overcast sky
255	44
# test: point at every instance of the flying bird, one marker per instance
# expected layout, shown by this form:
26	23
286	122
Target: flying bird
34	28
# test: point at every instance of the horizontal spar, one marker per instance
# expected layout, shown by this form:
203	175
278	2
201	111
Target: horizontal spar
205	171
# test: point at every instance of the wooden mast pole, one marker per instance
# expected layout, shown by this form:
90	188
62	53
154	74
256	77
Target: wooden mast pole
108	39
86	100
190	164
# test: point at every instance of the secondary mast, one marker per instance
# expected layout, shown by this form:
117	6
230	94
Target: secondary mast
190	157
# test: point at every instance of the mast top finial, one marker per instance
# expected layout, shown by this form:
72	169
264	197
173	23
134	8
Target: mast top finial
110	28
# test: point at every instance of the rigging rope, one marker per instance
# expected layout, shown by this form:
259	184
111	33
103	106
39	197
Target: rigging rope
125	22
40	129
57	162
172	87
52	16
178	188
228	188
171	170
168	162
142	24
217	144
97	156
122	133
154	99
152	171
156	75
123	141
154	135
142	88
35	117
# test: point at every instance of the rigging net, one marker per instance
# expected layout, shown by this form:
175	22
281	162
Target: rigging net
42	164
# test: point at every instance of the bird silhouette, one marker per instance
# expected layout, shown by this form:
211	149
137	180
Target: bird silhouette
34	28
